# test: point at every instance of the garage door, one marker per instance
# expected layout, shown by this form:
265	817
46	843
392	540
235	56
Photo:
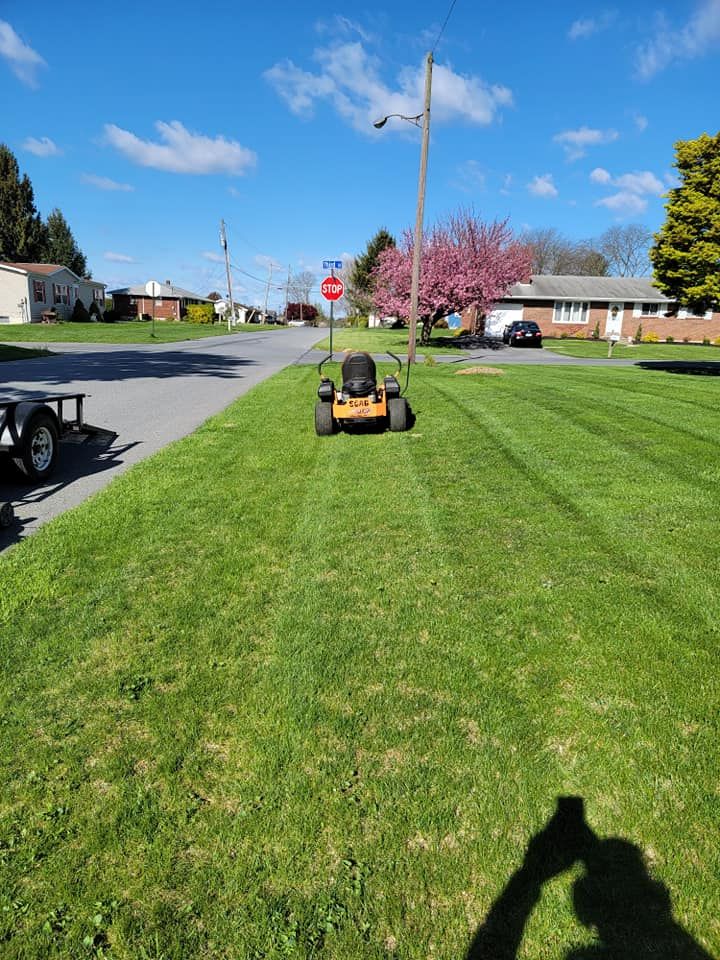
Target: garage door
501	316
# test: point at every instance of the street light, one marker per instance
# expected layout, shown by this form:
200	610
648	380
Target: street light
425	117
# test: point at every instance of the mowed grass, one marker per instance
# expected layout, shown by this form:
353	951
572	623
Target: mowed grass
640	351
10	352
380	341
271	695
125	331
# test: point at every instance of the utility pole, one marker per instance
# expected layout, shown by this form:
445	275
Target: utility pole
267	289
417	248
287	295
223	242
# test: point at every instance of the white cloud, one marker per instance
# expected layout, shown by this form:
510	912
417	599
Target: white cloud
213	257
343	26
182	151
22	59
105	183
543	186
581	29
264	261
624	203
118	257
507	183
641	122
671	43
576	141
632	190
349	78
470	177
43	147
643	181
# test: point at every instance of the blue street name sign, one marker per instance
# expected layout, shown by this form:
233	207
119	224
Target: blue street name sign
332	264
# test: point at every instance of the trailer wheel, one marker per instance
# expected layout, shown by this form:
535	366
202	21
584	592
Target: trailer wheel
7	514
38	447
397	414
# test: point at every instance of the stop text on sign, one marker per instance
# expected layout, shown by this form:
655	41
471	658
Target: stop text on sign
332	288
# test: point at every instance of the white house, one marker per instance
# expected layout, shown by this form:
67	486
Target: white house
27	290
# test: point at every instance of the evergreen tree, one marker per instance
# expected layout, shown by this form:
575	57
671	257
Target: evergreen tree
23	235
61	245
361	287
686	254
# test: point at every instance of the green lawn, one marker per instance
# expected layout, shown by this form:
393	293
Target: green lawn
641	351
8	352
131	331
271	695
380	341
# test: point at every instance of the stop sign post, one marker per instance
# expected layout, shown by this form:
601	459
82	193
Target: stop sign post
332	288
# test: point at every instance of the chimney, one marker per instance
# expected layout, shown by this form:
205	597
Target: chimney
168	283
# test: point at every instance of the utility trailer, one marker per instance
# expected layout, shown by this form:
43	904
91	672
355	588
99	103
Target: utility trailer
30	433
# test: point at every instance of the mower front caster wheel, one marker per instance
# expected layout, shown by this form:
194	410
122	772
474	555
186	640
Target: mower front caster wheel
324	423
7	515
398	415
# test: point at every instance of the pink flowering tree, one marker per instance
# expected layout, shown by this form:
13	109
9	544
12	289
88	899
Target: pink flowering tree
464	262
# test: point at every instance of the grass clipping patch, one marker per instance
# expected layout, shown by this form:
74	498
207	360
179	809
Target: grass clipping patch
488	371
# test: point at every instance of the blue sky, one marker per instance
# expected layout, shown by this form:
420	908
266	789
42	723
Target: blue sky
147	124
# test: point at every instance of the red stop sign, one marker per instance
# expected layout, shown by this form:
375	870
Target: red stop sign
332	288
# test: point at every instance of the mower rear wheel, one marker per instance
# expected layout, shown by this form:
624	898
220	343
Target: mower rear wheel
397	414
324	423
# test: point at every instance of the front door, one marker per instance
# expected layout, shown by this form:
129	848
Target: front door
613	323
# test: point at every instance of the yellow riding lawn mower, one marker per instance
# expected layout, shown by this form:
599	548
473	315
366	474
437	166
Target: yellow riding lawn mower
360	401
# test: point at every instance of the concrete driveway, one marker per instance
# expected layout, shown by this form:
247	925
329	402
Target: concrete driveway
143	396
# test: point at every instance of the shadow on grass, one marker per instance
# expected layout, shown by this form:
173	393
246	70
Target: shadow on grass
466	342
81	457
630	912
706	368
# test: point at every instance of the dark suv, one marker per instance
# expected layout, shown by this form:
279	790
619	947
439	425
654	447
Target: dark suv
523	333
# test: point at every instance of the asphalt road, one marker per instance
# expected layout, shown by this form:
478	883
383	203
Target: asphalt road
143	397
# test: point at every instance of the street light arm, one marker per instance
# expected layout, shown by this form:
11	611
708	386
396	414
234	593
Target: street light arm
379	124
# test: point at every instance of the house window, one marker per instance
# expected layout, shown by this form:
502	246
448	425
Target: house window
649	310
685	314
98	295
39	291
61	293
571	311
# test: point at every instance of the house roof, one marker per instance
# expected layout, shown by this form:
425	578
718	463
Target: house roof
167	292
552	287
47	270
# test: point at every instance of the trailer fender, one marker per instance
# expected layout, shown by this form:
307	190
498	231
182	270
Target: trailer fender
12	433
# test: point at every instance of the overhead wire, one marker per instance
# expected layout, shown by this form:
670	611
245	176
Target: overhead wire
442	28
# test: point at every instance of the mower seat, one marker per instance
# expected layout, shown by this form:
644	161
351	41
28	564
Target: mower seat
358	374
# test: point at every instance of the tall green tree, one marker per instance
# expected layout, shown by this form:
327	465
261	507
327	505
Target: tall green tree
361	288
23	235
61	245
686	254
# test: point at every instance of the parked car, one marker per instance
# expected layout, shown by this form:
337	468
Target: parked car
523	333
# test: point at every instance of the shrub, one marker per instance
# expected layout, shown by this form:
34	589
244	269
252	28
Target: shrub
716	341
596	331
80	312
669	339
638	334
441	324
430	360
564	334
580	335
200	313
362	321
706	341
686	339
110	316
650	337
94	311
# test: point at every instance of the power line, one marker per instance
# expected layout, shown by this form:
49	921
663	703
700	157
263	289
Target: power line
442	28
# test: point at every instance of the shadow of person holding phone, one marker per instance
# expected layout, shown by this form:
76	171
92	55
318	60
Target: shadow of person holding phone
630	913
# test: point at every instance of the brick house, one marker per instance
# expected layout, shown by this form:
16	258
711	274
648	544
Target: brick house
172	303
27	290
572	306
